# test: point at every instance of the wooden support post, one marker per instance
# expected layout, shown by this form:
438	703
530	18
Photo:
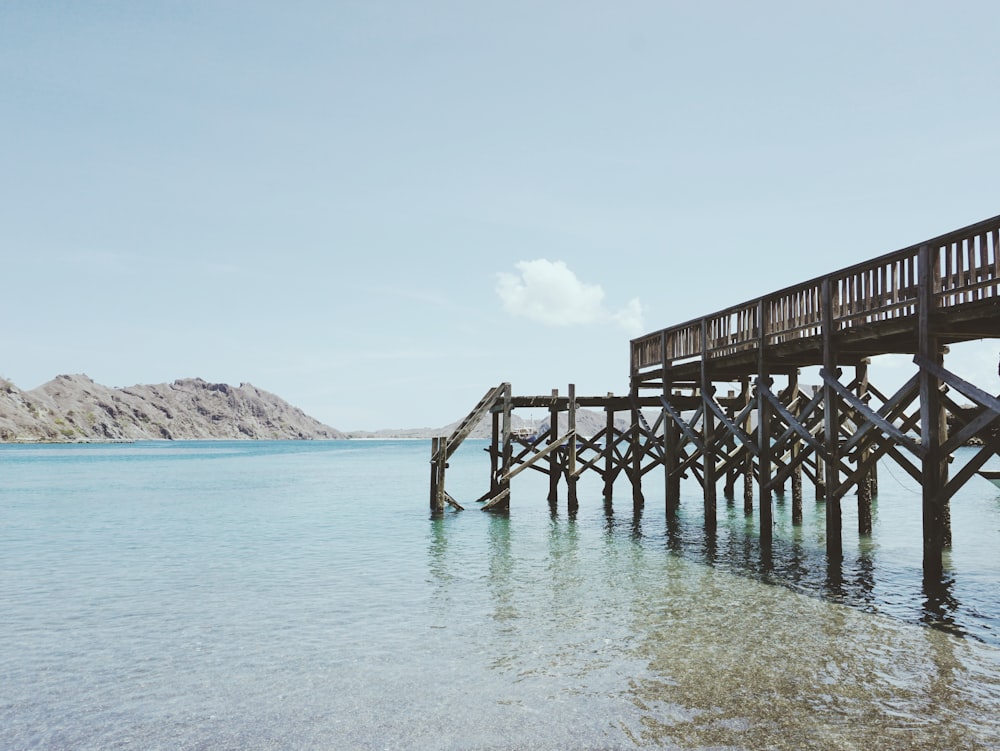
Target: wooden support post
831	426
933	426
571	453
708	431
554	465
729	489
609	449
796	448
437	474
820	466
864	481
671	485
507	444
764	427
495	451
670	499
747	455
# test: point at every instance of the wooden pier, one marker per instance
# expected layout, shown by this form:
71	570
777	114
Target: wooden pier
914	301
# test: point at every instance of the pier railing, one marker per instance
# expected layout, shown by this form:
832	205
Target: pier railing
964	269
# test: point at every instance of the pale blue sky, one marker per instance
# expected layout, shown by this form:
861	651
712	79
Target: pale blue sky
323	198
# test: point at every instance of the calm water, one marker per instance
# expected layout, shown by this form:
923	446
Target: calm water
298	596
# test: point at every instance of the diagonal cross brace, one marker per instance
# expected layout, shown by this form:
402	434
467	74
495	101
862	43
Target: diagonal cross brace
685	428
872	416
792	422
980	397
907	391
736	430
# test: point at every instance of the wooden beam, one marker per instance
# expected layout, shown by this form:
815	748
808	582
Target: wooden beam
511	474
501	498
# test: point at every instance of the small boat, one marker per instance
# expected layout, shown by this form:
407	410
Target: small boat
993	475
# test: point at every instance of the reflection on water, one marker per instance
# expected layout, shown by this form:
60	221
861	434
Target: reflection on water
732	661
795	557
690	637
697	649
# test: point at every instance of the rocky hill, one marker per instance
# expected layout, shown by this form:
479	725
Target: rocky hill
75	408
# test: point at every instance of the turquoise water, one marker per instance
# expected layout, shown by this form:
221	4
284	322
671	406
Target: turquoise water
241	595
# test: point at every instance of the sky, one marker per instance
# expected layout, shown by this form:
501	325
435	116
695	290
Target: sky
379	210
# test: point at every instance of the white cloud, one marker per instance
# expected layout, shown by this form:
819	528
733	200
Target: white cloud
630	317
549	292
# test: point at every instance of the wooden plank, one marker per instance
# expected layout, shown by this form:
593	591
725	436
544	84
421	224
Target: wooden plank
502	497
452	502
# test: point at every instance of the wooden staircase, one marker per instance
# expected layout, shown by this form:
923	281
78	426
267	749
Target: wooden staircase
443	447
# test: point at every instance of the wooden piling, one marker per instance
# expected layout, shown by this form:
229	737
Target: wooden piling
609	449
934	427
554	466
437	475
864	480
748	471
831	427
796	447
708	436
571	475
729	448
764	425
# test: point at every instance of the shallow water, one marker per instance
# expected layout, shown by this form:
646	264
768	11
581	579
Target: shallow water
298	595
